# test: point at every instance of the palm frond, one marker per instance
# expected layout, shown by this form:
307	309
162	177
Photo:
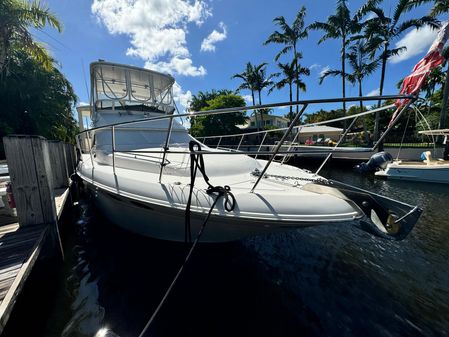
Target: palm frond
417	23
328	73
283	51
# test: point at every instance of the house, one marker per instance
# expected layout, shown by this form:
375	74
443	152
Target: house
277	122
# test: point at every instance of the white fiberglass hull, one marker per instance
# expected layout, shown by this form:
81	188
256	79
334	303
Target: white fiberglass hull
136	201
436	172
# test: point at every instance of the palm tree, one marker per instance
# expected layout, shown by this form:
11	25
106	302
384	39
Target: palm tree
290	77
339	26
247	77
16	17
381	31
261	81
362	66
290	36
254	79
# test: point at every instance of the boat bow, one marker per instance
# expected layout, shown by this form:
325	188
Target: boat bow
383	216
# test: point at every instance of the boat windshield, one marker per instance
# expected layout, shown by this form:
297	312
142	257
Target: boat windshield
125	88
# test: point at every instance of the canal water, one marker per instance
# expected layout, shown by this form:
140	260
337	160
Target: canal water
324	281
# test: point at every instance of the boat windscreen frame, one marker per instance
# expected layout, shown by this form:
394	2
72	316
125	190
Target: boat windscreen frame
105	97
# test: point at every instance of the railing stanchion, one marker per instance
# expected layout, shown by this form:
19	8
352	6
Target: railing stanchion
219	142
240	143
278	147
261	143
290	146
113	148
343	136
91	157
166	147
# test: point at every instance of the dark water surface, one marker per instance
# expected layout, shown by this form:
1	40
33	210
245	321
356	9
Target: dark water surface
324	281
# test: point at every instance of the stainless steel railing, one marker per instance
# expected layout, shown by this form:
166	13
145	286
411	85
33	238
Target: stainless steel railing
85	139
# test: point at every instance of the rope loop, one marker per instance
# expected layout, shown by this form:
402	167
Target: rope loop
225	192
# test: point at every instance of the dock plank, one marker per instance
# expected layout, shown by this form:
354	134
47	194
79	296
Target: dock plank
19	249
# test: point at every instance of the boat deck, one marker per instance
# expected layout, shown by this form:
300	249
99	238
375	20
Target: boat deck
19	249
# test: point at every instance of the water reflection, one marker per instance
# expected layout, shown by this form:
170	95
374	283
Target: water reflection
325	281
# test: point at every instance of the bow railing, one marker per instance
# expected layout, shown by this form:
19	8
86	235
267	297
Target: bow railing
284	146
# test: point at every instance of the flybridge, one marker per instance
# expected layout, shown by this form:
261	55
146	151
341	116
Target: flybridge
130	90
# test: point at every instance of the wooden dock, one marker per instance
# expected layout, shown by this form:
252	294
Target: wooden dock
40	176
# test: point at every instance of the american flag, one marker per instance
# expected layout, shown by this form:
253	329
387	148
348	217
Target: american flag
413	83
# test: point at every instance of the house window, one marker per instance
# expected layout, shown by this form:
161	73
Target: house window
268	122
253	124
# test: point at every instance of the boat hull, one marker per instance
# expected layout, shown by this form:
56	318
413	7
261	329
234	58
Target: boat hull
166	223
425	173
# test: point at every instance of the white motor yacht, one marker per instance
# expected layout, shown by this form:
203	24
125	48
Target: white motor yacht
137	162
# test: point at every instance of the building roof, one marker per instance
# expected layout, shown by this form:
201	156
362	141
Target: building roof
319	129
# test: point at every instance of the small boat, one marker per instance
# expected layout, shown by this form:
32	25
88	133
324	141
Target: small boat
149	176
427	170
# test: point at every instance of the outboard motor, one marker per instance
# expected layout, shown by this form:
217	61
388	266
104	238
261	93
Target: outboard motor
377	161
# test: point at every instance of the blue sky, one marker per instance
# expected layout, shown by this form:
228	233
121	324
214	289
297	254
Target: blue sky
203	43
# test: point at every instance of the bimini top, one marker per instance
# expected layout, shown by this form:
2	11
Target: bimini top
126	88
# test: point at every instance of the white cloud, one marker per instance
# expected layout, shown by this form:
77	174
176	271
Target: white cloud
82	104
157	29
315	66
416	41
374	92
176	64
324	69
248	99
209	42
181	97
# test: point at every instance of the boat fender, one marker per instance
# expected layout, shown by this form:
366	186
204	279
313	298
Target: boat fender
377	161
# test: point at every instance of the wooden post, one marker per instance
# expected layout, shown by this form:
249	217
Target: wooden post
58	164
32	179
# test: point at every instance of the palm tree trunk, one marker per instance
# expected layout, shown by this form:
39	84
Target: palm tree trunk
291	100
381	89
365	133
297	75
444	104
255	111
343	76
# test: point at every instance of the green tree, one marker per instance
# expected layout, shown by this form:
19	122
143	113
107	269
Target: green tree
381	31
213	125
361	64
359	60
37	100
289	77
253	80
339	26
261	81
290	36
16	18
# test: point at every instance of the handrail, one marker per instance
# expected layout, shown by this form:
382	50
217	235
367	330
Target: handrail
262	106
339	119
273	152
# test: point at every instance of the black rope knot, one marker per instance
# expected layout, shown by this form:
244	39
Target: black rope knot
197	163
225	192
